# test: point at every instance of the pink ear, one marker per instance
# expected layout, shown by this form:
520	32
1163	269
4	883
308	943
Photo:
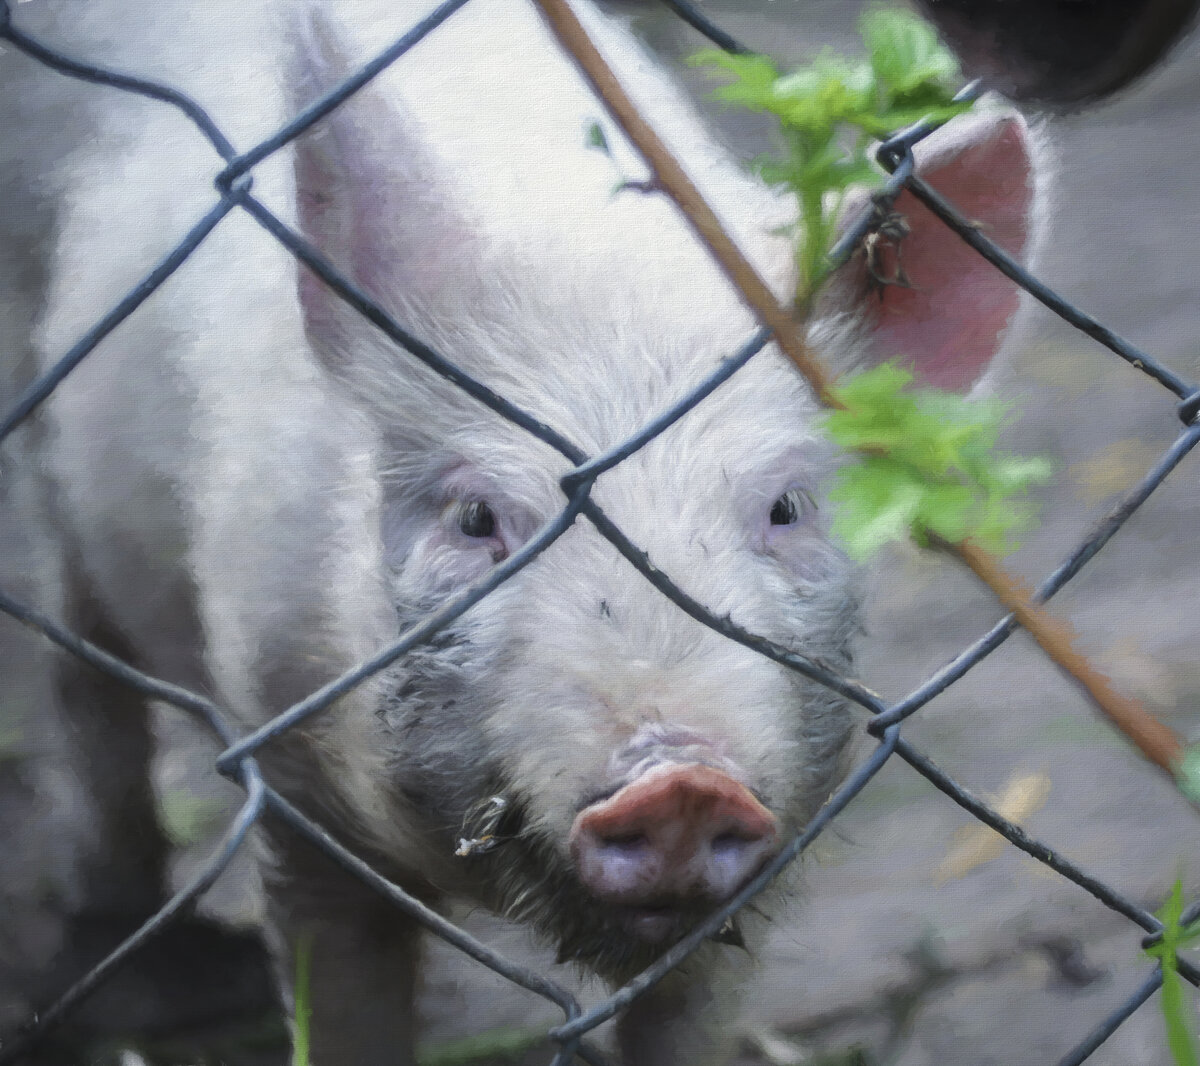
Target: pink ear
948	325
370	194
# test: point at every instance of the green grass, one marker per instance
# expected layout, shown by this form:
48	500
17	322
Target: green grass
1175	998
186	818
303	1005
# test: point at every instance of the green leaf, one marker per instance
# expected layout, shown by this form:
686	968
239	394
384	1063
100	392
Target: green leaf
1175	997
594	138
876	502
1187	773
755	77
905	52
946	510
831	91
927	466
830	110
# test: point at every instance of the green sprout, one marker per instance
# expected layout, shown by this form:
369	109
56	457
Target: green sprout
1177	1009
1187	773
302	996
927	467
831	112
187	818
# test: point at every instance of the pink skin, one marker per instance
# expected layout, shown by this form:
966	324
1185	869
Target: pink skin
677	834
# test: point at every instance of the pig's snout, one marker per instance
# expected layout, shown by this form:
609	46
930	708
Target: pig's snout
676	837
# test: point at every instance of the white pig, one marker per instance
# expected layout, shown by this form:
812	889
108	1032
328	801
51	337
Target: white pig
251	489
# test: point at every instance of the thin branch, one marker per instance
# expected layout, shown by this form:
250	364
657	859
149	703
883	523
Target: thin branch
1158	742
673	180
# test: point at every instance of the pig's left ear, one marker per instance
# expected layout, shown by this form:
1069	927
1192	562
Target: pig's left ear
929	301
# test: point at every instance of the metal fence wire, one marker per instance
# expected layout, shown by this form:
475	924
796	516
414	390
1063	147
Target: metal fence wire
234	191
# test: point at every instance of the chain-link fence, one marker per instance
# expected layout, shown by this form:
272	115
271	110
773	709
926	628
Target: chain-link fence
235	193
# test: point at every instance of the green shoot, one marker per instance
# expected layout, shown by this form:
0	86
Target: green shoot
1187	773
830	113
1175	997
927	467
301	994
186	818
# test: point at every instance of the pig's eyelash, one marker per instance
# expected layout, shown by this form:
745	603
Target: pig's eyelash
791	507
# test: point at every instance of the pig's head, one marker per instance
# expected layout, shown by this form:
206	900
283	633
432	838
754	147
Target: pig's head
615	767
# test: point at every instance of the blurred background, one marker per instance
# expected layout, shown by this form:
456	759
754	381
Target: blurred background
923	939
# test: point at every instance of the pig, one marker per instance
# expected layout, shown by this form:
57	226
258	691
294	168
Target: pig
247	489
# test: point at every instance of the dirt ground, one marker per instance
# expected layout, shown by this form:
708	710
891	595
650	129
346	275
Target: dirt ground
919	943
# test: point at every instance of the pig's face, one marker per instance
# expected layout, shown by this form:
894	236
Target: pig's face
647	766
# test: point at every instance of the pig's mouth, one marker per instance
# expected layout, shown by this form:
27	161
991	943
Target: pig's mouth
660	925
652	924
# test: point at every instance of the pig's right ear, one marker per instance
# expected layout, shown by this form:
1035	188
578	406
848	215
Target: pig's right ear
370	194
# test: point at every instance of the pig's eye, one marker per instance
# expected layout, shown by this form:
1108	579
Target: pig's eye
475	519
790	507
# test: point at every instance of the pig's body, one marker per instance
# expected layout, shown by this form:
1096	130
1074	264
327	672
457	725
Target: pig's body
253	491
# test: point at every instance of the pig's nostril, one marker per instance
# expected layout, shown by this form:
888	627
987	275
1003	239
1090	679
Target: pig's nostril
625	841
731	841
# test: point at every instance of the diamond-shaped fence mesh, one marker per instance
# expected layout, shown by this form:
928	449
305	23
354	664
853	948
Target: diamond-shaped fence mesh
234	192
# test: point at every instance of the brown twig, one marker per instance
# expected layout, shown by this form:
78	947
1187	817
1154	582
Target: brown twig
1055	637
673	180
1160	744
